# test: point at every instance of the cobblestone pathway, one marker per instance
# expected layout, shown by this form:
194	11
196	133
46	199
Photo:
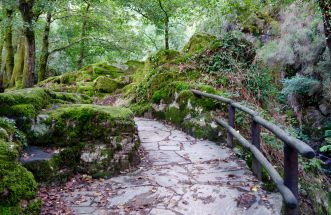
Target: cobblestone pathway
179	175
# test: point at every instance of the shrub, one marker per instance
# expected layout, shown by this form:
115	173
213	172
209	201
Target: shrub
299	85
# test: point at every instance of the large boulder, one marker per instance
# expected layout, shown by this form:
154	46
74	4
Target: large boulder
199	42
91	139
17	184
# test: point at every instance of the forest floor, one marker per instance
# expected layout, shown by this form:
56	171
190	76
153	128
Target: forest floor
178	175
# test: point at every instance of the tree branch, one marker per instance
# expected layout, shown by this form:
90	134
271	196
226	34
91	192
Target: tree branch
68	46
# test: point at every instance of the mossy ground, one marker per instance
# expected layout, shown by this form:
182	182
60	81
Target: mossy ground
16	183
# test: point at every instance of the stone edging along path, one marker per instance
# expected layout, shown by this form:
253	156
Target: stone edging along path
179	175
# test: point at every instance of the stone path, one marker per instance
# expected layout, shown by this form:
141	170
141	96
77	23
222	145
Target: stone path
179	175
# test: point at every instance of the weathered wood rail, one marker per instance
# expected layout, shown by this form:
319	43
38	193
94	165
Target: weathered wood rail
288	187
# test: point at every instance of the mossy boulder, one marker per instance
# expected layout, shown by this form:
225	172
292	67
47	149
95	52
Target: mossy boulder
68	125
27	103
163	57
23	103
16	183
200	42
93	79
133	66
95	140
104	84
10	133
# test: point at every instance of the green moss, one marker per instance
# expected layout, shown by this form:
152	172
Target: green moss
163	95
68	78
162	57
200	42
75	123
22	110
134	66
38	97
44	170
104	84
200	127
140	108
11	133
8	151
161	80
34	208
175	115
72	98
101	69
184	98
17	182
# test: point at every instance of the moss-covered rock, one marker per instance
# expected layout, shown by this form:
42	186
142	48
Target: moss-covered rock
200	42
10	133
95	140
16	183
105	84
25	102
163	57
94	79
72	124
134	66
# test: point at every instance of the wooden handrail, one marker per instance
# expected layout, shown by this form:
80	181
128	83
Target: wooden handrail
288	187
287	194
302	148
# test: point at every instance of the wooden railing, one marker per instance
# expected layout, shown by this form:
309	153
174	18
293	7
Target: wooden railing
288	187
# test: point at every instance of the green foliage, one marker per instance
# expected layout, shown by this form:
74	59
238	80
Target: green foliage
327	147
9	132
299	85
260	82
312	165
33	208
233	54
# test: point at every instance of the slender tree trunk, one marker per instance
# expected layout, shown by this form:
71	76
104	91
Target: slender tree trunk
166	26
9	47
83	35
26	8
166	33
45	49
325	6
20	64
2	89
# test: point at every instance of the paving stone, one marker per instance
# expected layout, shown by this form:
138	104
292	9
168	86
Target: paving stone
170	148
83	210
153	146
166	158
153	136
157	211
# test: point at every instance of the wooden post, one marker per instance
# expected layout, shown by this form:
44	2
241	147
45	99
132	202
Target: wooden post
231	123
291	172
256	140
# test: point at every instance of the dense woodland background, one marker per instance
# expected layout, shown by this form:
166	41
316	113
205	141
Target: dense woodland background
273	54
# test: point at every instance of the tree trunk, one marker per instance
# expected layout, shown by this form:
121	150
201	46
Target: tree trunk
45	49
8	39
325	6
26	8
166	26
20	64
83	35
2	89
166	33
